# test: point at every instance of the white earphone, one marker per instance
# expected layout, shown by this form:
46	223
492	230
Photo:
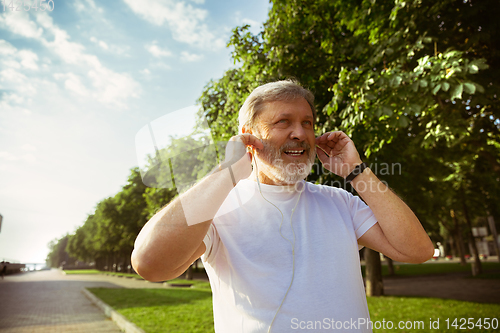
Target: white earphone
281	224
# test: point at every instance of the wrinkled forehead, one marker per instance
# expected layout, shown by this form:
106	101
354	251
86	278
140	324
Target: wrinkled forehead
289	107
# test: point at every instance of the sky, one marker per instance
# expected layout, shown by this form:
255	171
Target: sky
77	85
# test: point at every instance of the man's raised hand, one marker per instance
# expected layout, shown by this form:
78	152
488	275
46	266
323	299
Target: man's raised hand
343	156
237	156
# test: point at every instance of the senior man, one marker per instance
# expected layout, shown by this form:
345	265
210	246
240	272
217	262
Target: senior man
282	253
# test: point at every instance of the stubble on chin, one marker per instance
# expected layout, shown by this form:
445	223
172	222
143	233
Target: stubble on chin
286	173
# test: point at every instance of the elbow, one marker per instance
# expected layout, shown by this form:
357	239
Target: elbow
147	270
426	253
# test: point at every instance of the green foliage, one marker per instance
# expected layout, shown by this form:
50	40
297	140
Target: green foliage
113	227
57	255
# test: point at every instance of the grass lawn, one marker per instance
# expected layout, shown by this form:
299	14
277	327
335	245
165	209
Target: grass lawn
412	310
190	310
163	310
132	275
82	271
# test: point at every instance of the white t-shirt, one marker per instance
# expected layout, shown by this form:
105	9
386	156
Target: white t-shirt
250	264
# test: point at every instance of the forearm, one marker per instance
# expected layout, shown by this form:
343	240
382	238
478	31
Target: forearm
399	224
176	232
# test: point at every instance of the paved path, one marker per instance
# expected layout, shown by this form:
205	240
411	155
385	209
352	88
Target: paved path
48	301
457	286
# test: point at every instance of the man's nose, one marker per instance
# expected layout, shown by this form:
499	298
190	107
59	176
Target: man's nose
298	133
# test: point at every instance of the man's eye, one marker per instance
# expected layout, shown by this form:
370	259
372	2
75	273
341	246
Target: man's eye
282	121
307	122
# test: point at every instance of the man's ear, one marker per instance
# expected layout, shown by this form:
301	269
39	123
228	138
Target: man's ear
246	129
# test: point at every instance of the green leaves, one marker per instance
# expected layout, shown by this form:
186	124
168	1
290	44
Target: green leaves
469	88
476	65
457	91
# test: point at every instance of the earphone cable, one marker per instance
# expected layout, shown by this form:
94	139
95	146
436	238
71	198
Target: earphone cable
291	243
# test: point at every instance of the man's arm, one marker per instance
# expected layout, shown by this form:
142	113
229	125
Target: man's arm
173	238
398	233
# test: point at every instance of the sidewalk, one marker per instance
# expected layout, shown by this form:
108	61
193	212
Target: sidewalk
50	302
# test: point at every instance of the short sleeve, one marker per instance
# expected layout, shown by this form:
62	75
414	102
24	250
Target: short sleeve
211	241
362	216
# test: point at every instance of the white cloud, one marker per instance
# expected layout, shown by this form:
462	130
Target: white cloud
250	22
28	59
72	83
106	86
88	6
19	23
145	71
185	21
14	80
28	147
111	87
189	57
6	156
109	47
157	51
6	48
255	26
101	43
12	58
161	65
11	101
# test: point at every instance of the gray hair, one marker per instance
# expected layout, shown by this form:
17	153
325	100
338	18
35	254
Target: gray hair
286	90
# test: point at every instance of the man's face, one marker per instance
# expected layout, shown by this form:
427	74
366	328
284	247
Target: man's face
287	131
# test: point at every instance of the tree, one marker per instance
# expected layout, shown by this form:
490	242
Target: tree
107	236
58	256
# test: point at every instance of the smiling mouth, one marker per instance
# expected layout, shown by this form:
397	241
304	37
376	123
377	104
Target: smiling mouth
295	152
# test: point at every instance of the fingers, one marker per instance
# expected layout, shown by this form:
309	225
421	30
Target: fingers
335	136
333	141
322	151
249	140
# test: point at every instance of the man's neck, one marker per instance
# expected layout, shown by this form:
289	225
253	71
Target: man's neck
264	178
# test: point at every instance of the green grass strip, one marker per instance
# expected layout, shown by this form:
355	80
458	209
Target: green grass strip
190	310
163	310
422	311
82	271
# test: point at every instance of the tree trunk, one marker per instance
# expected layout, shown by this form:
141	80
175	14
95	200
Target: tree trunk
493	229
458	239
452	246
390	266
373	279
189	273
476	265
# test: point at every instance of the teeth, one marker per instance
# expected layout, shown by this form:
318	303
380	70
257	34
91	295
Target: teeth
294	151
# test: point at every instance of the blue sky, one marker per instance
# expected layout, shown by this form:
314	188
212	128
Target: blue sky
76	86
